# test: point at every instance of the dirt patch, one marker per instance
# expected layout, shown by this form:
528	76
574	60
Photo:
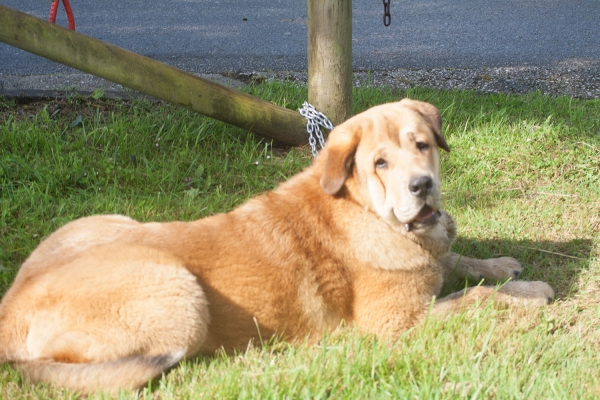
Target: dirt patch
25	108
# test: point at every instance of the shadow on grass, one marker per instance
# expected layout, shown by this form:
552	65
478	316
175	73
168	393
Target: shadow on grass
557	263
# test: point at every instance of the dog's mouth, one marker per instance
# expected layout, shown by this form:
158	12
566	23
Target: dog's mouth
426	217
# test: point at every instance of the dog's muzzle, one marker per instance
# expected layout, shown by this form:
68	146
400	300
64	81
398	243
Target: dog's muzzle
426	218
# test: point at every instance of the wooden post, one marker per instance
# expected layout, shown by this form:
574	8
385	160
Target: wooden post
330	58
151	77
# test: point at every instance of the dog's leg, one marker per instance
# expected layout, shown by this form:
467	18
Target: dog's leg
111	318
493	269
387	303
516	293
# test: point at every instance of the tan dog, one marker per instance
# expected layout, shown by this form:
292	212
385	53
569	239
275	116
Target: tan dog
108	302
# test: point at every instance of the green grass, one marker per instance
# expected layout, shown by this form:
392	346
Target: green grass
523	180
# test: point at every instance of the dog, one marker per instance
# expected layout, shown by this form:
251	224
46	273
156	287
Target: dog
357	238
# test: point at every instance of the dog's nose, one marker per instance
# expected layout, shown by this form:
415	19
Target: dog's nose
420	185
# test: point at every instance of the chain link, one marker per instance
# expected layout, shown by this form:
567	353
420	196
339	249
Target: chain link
387	17
315	120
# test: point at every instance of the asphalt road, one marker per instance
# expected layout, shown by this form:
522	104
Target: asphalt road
205	36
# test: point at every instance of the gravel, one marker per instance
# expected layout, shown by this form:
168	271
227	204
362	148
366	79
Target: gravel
575	79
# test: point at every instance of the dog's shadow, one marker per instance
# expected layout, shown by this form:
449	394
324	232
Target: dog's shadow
557	263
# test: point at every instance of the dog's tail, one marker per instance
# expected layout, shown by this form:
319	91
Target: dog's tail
126	373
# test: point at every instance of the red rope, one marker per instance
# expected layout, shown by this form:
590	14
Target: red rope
70	17
53	9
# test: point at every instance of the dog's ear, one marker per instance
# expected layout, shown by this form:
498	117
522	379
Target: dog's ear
339	154
433	117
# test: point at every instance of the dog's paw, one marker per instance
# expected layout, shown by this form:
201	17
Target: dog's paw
501	269
534	293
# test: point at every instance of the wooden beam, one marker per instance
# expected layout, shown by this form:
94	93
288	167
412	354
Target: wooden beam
330	58
151	77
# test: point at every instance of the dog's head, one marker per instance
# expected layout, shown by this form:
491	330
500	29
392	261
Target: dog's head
387	158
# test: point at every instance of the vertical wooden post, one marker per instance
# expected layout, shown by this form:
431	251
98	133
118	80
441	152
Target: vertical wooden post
330	58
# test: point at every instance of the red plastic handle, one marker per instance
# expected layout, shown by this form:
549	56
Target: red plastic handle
70	16
53	9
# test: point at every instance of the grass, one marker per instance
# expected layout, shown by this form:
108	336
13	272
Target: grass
523	180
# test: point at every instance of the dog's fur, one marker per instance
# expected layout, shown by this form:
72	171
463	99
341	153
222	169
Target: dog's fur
106	302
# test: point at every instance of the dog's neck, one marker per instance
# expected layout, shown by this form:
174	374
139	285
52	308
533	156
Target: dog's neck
347	217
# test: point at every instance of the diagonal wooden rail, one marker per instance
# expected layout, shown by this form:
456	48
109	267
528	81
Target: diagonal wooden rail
151	77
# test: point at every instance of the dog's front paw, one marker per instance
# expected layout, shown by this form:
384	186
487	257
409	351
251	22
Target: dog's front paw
501	269
534	293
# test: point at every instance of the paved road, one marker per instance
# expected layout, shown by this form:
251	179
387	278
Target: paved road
215	36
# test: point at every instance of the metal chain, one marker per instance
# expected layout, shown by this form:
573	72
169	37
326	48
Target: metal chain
387	17
315	120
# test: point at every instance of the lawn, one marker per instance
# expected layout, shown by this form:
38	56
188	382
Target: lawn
522	180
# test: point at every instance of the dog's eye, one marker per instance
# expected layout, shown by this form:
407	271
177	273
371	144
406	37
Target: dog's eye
381	163
422	146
